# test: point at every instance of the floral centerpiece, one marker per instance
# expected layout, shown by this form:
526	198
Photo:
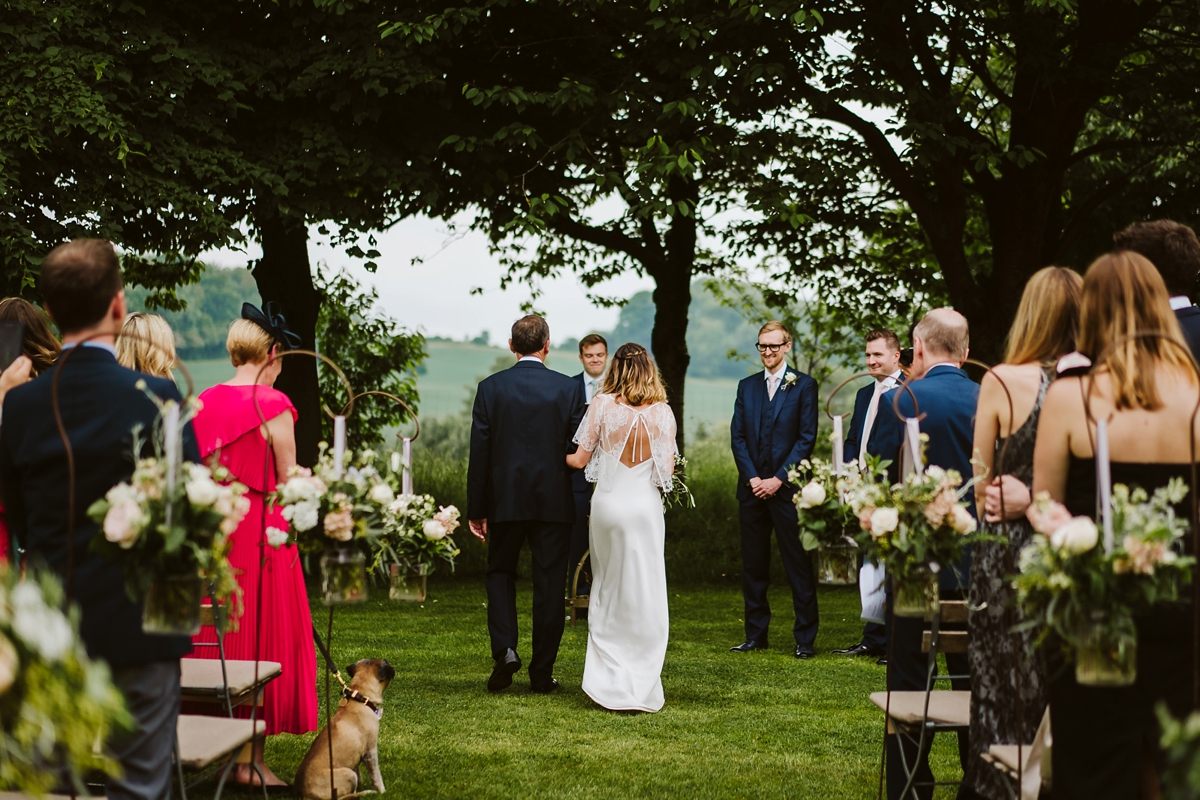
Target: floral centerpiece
1085	594
824	518
169	529
55	703
417	535
913	528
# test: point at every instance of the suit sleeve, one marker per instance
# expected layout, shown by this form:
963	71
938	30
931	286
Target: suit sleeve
853	441
887	434
578	409
479	464
737	439
807	438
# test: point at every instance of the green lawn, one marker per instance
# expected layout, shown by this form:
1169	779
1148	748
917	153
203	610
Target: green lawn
757	725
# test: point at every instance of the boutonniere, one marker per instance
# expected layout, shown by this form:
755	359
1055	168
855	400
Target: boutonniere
789	379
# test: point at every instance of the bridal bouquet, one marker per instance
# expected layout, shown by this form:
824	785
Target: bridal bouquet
1072	587
679	494
56	704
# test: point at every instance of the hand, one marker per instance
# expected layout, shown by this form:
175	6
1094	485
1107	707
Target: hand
765	488
1016	499
16	374
479	528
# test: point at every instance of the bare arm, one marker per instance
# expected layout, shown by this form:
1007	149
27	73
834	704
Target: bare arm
987	428
580	458
1052	453
281	432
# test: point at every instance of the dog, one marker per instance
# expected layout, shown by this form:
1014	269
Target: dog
355	732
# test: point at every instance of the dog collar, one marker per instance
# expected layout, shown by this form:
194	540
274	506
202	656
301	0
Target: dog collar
359	697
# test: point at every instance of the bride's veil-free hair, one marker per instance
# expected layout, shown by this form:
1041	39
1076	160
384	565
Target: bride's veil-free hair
634	376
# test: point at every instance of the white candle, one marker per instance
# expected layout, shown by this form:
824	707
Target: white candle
406	485
1104	482
837	444
339	445
395	461
171	441
912	442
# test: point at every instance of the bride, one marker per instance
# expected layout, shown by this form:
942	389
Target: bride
627	443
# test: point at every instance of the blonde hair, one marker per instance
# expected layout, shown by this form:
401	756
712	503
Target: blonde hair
944	331
248	343
147	344
776	325
634	376
1047	321
1123	295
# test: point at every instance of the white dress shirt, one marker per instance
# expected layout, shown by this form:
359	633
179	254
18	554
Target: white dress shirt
890	382
774	379
1180	301
529	358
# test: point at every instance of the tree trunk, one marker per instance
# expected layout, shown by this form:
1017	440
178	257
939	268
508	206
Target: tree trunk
668	339
284	277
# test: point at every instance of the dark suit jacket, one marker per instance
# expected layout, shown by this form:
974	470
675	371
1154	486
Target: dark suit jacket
578	480
100	405
1189	320
522	428
793	435
947	398
862	400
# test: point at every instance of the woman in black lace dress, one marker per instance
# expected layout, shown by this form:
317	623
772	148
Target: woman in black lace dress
1106	739
1004	665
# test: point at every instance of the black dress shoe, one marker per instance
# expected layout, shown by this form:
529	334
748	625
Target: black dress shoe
506	666
882	661
859	649
747	646
805	651
545	688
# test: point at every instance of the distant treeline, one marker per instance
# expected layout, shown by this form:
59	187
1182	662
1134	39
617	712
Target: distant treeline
212	304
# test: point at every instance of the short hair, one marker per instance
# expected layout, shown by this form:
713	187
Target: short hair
147	344
776	325
248	343
39	346
1170	246
889	337
530	334
944	331
79	280
590	340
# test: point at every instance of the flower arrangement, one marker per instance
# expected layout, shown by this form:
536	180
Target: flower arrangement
679	494
1077	590
55	703
822	514
416	535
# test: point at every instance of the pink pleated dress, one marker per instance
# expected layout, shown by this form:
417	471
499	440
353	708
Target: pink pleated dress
228	423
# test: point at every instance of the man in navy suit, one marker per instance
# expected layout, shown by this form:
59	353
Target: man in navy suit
947	398
518	488
593	354
883	362
1175	251
774	427
100	404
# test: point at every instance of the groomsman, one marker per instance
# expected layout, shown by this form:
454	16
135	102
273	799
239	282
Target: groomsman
774	427
1175	251
593	354
100	403
946	398
883	362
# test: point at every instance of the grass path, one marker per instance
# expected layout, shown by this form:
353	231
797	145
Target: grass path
760	725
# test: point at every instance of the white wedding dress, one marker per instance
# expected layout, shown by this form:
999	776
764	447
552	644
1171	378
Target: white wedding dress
627	613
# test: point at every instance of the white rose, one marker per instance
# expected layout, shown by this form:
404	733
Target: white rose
434	529
120	494
382	494
884	520
203	491
304	517
123	523
1077	536
43	628
275	537
813	494
961	520
8	664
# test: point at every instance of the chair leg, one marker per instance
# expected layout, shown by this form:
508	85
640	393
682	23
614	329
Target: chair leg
225	770
179	772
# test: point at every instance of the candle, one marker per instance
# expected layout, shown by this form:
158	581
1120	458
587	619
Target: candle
406	485
395	461
837	444
339	445
171	453
912	442
1104	482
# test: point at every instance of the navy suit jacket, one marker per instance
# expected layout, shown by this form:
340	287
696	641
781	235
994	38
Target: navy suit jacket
578	481
947	398
522	427
100	405
853	442
1189	320
794	433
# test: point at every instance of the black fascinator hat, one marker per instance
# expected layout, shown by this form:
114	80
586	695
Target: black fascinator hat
273	323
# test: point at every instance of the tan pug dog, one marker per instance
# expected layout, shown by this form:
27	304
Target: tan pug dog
355	732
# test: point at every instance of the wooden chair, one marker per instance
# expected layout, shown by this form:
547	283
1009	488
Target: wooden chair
1027	767
203	744
231	683
918	715
576	601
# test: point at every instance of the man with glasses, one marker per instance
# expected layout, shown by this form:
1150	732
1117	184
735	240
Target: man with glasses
774	427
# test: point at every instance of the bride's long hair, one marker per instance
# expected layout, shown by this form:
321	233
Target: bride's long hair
634	376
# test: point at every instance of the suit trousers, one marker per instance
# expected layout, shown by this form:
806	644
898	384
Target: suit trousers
758	518
152	696
908	669
579	540
549	544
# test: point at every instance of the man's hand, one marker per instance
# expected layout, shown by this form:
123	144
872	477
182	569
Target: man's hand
479	528
765	488
1016	499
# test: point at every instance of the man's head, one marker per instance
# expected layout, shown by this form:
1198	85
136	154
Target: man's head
883	353
593	354
81	287
530	337
1170	246
774	343
941	336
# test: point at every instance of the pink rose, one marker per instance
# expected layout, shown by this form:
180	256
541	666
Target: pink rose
123	523
864	517
1046	515
1143	556
339	525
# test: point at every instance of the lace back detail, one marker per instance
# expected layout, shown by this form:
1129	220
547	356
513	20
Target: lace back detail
608	426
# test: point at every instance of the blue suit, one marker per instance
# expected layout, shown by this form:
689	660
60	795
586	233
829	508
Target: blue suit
583	509
768	436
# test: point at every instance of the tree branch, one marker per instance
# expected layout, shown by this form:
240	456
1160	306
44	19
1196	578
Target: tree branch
601	237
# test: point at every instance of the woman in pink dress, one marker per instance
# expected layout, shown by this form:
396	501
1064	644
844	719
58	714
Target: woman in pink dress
229	426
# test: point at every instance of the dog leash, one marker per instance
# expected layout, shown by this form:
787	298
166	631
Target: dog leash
347	692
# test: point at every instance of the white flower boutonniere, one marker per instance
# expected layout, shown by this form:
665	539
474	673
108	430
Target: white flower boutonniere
789	379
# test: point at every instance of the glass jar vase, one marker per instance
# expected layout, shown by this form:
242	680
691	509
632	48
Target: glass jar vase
1106	650
172	605
837	565
915	594
408	583
343	576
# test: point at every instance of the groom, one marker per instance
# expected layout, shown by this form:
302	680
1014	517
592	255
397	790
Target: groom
518	488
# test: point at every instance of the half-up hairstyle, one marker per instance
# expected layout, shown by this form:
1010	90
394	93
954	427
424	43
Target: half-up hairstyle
634	376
